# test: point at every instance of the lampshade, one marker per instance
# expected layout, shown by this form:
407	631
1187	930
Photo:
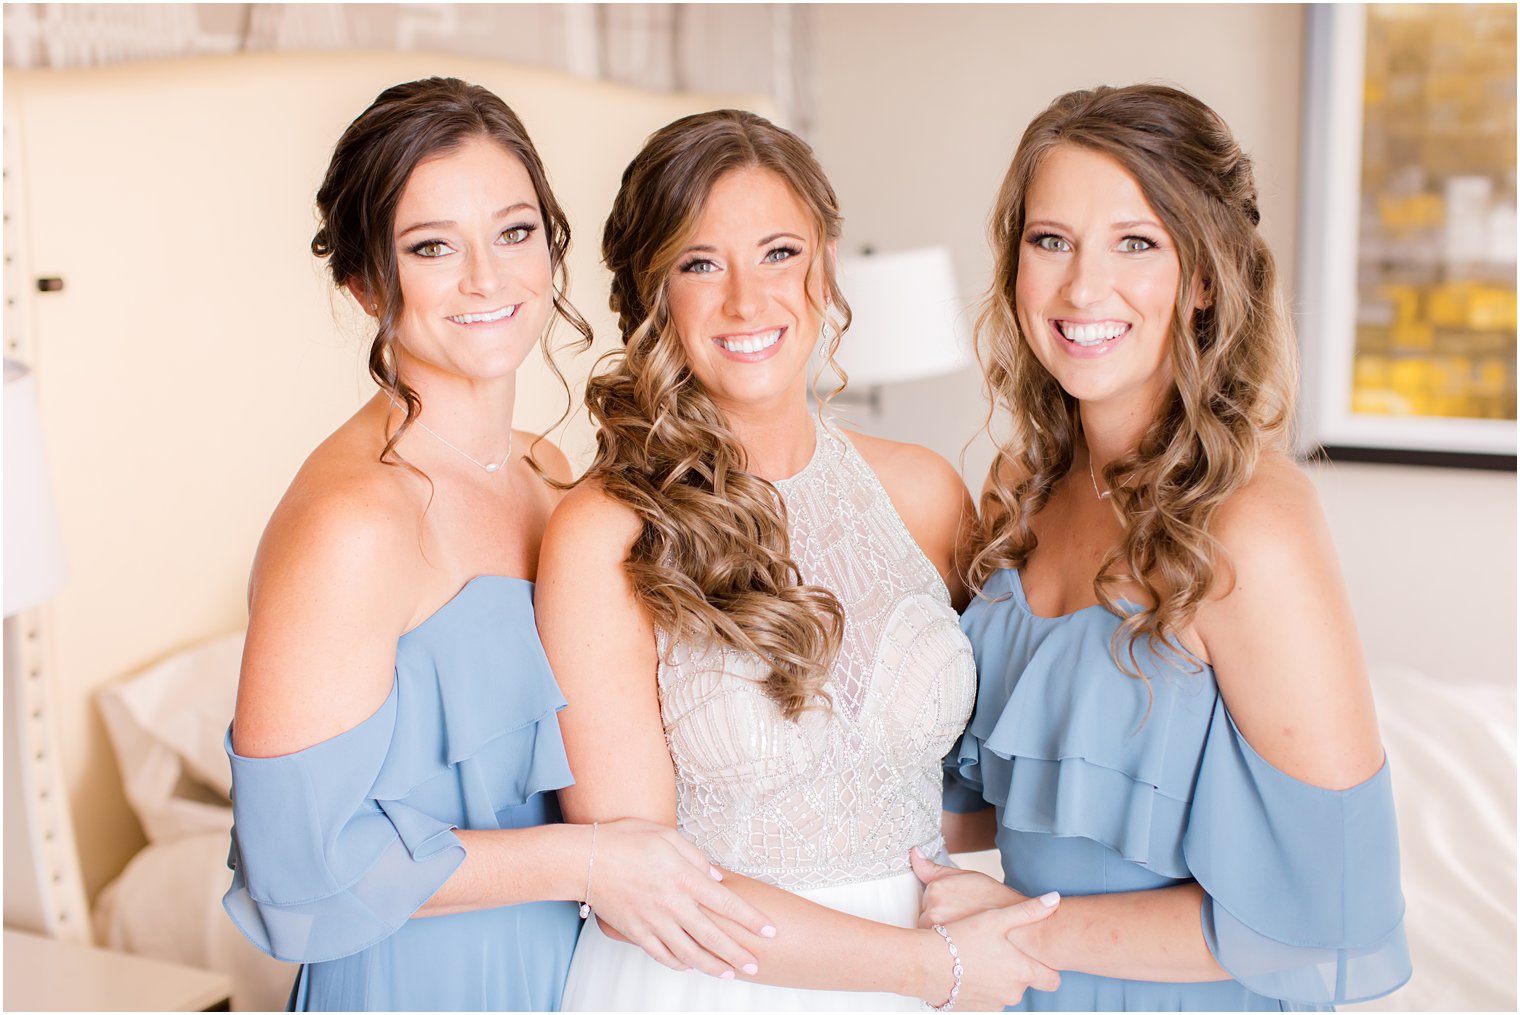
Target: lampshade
908	322
34	567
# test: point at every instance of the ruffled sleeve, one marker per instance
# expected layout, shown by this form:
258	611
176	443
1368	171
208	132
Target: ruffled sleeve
336	846
1303	901
322	869
1302	883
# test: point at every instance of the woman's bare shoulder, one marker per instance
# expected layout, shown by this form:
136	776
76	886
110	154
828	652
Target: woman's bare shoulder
919	481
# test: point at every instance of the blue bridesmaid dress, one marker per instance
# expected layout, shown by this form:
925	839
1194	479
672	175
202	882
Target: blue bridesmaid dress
336	846
1098	788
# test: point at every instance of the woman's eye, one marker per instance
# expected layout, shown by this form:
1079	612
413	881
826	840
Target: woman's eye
1134	244
431	248
1051	242
781	254
517	234
701	266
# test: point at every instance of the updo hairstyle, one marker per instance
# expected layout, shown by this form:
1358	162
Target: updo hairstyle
356	205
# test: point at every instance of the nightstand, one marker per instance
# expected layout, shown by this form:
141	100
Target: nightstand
42	974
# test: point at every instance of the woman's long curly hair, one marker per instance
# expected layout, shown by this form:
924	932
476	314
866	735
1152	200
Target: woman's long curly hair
713	560
356	204
1234	361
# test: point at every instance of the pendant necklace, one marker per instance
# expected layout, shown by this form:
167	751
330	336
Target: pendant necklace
491	467
1102	494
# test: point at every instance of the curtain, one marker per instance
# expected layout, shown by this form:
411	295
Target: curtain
663	47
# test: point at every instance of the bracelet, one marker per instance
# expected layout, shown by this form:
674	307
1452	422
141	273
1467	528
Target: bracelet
956	968
591	859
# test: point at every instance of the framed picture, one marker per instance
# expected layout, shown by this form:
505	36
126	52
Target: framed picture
1407	235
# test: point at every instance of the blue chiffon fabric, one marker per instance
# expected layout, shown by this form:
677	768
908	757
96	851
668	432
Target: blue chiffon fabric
1100	787
336	846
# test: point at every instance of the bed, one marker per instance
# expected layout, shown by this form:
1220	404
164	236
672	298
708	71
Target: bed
191	354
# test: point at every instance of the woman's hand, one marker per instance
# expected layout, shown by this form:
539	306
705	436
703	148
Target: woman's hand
995	972
952	894
657	890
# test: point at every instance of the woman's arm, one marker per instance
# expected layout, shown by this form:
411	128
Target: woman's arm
971	831
1282	638
607	667
1153	935
329	598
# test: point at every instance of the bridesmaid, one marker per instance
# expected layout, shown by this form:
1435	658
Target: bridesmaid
396	750
1174	726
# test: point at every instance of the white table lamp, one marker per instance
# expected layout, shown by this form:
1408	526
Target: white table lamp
34	566
908	322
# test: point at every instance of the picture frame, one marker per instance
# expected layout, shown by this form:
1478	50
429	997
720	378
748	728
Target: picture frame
1334	414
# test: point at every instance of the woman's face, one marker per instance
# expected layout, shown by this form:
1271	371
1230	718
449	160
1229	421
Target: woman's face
1097	281
738	294
473	265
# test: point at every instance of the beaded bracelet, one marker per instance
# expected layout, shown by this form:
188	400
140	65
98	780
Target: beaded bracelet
591	859
957	969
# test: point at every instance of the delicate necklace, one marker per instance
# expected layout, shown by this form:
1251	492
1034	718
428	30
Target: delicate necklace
1102	494
487	466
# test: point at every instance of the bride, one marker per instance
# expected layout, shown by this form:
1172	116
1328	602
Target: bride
752	612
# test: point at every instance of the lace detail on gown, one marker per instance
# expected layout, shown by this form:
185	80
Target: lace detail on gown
842	794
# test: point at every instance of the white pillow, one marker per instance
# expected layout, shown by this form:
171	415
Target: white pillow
166	725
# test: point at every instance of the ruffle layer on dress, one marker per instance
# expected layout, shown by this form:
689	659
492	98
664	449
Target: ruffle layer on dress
1302	883
336	846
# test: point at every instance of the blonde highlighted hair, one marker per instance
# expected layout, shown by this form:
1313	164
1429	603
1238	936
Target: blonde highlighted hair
1234	361
713	561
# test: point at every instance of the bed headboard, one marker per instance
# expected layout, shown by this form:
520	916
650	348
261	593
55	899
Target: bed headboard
194	353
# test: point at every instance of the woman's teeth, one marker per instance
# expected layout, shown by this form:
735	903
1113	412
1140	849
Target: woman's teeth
751	343
1091	334
494	315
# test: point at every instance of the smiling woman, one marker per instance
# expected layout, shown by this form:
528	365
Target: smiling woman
748	265
775	667
396	747
1173	727
1098	281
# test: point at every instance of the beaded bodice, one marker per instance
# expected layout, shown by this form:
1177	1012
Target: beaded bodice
841	794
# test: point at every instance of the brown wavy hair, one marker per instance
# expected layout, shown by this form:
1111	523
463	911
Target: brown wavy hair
1234	361
356	207
713	559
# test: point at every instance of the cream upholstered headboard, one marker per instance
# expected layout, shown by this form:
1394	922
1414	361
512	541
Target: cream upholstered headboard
195	354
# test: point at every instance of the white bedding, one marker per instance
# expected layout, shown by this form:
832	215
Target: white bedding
1451	746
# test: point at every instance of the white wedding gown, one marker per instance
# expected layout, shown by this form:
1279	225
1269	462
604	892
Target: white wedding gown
827	806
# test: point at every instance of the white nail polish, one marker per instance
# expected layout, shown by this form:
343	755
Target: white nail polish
1049	899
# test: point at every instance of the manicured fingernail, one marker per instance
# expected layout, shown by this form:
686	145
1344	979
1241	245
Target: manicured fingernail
717	875
1049	899
917	852
767	931
727	974
691	969
751	968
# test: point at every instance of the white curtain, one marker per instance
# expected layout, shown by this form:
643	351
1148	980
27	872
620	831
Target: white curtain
707	47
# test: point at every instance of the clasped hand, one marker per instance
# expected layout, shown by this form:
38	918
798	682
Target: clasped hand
990	924
655	889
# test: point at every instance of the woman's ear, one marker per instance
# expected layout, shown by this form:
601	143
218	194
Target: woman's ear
832	253
1202	295
359	293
